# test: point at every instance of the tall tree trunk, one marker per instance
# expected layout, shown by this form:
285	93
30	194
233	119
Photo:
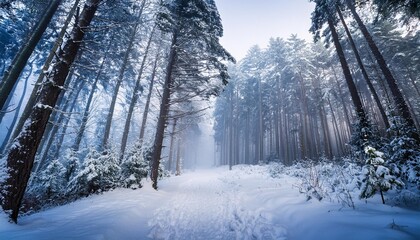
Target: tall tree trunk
363	70
21	156
111	110
178	158
149	96
54	114
247	138
340	96
392	83
361	115
337	134
11	76
164	110
86	112
136	91
46	144
60	137
230	132
260	140
121	72
171	145
33	97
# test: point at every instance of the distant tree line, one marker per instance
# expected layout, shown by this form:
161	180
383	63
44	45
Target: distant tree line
299	101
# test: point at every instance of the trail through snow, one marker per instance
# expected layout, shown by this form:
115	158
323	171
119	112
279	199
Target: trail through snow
211	206
245	203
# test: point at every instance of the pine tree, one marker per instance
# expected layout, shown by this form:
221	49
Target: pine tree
403	152
49	185
99	172
405	9
377	176
134	168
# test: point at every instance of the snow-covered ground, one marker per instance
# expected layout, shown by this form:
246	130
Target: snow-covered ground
245	203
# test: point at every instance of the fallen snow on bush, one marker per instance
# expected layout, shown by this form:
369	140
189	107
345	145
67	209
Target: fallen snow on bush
249	202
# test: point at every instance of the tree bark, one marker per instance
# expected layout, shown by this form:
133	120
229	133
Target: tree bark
164	110
21	156
11	76
136	91
60	137
33	97
46	143
85	116
178	158
361	115
363	70
171	145
147	105
120	79
392	83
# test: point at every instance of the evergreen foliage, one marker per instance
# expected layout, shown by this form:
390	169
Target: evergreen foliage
50	183
134	168
98	172
405	9
403	151
285	103
377	176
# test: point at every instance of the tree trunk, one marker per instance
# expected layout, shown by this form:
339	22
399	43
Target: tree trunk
147	105
119	80
171	145
11	76
60	137
46	144
361	115
137	89
392	83
21	156
178	158
33	97
340	96
230	132
48	135
164	110
260	140
364	72
85	116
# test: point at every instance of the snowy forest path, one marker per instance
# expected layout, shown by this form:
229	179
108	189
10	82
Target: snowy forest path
211	206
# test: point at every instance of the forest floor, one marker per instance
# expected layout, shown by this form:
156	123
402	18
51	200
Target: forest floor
245	203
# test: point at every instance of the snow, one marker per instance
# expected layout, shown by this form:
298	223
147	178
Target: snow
245	203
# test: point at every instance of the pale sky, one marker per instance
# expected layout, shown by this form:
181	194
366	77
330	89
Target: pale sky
250	22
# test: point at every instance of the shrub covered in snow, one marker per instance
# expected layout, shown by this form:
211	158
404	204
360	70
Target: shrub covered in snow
72	165
404	152
134	168
325	179
46	188
49	183
99	172
363	135
377	176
